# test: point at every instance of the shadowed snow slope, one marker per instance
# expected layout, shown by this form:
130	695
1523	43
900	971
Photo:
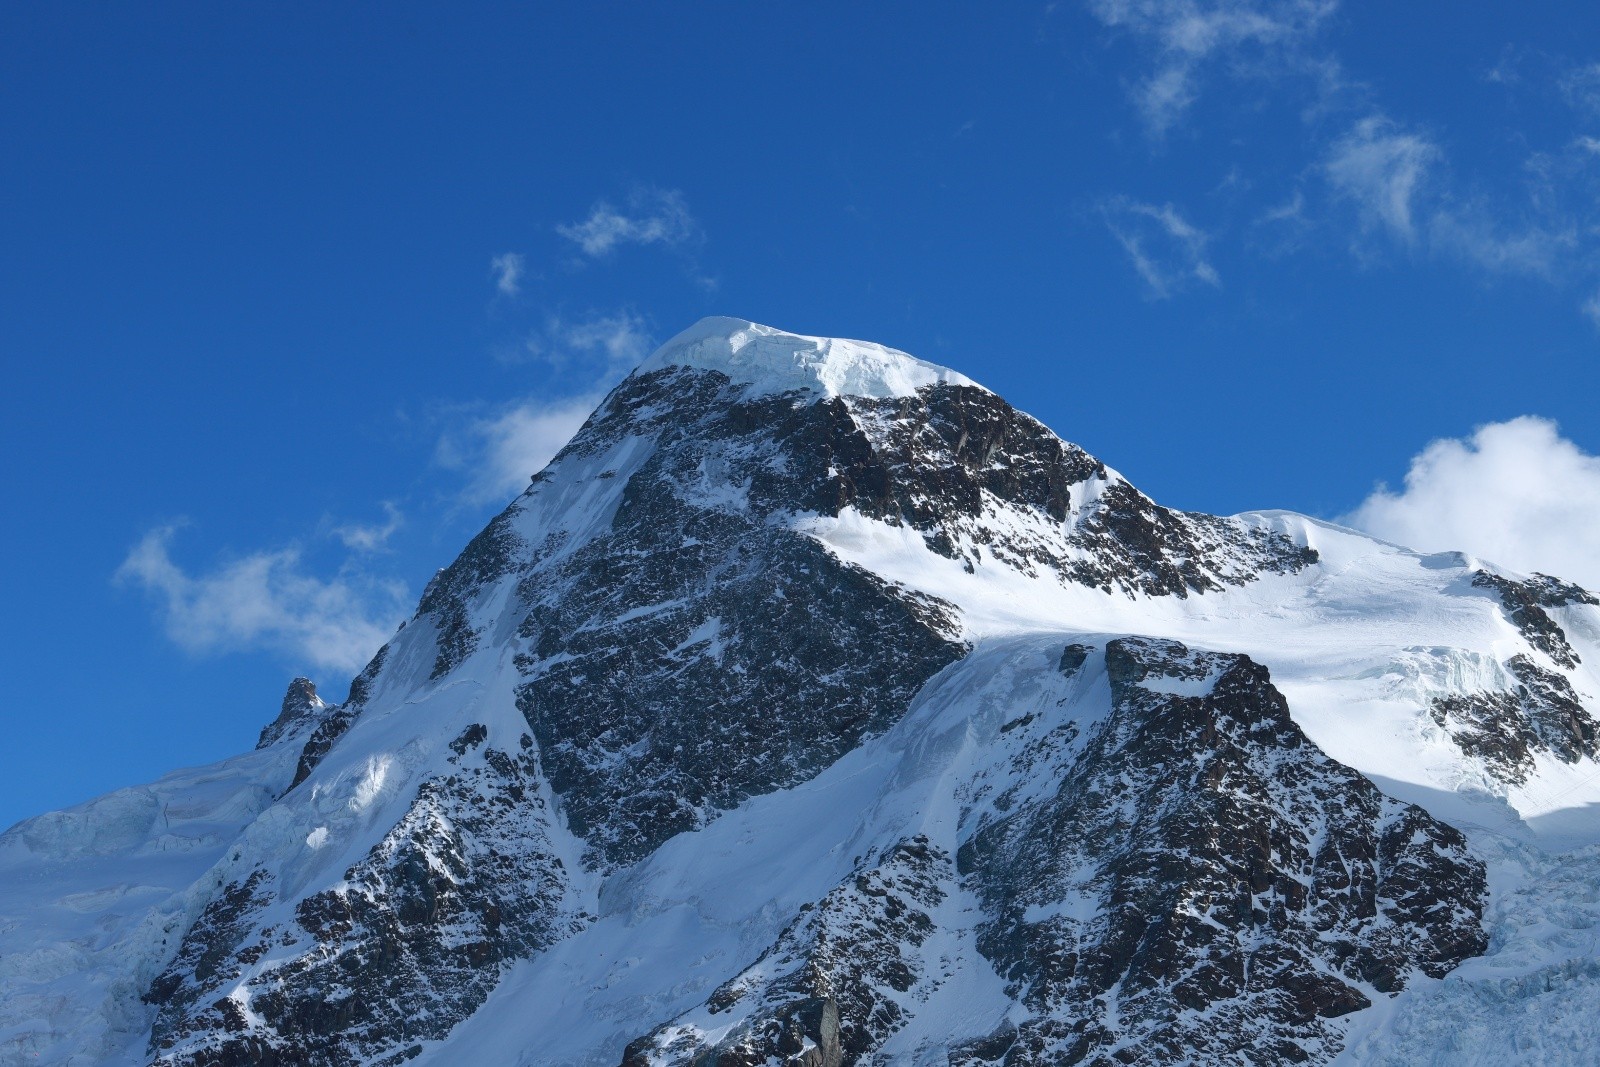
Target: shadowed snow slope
814	706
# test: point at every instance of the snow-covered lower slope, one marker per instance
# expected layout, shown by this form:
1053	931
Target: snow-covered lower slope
814	706
94	901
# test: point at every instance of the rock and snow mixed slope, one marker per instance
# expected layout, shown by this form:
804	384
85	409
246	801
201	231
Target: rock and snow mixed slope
815	706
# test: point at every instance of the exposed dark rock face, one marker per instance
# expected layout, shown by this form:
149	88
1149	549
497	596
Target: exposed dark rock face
301	708
1073	656
337	720
942	460
800	1033
858	949
207	956
1205	885
1505	728
702	651
490	555
656	723
1525	603
1559	719
409	943
1554	593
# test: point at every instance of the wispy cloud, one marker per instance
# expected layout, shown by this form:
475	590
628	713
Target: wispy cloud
502	450
1471	234
1184	37
1516	493
1377	181
650	216
1581	86
507	270
371	537
1167	251
266	600
499	448
1283	228
604	345
1591	308
1380	168
1398	184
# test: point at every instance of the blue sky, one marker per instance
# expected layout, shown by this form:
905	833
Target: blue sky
294	295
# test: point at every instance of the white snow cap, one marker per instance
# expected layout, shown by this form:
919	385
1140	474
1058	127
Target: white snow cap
772	361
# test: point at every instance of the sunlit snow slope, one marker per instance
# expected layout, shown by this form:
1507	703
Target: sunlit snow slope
814	706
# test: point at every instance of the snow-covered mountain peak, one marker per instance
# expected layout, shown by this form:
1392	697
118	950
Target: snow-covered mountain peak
815	707
768	360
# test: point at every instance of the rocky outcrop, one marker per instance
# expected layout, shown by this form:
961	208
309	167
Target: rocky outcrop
700	650
859	950
952	459
1525	604
1507	728
406	945
1183	874
1205	884
798	1033
302	709
335	721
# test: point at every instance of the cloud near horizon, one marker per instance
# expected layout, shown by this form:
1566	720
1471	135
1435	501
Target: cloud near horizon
1516	493
266	599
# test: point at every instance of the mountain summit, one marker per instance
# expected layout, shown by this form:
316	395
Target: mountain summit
765	360
814	706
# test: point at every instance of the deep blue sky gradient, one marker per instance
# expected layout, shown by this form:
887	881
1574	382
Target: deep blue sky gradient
245	282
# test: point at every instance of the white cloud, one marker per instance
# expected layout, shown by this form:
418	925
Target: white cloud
1291	211
609	344
1185	35
1283	228
1380	169
370	537
508	269
652	216
1393	178
1471	235
1383	184
1581	86
499	450
266	599
1591	308
1166	250
502	451
1516	493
